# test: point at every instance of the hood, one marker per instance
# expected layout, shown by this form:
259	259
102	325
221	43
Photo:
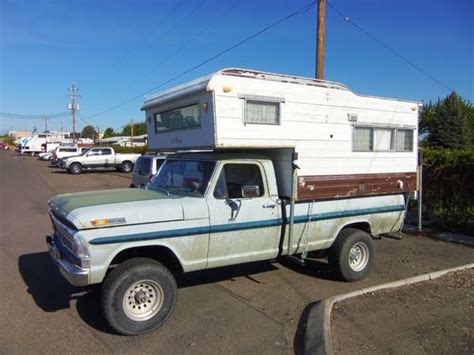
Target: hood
121	206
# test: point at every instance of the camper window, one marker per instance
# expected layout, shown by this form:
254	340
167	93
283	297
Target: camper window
178	118
374	139
262	112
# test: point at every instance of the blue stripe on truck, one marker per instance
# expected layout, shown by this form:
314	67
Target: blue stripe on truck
184	232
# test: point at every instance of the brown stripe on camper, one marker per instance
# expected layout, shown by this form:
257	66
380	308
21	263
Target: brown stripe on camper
334	186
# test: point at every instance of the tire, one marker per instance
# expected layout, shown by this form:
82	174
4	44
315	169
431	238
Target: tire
126	167
130	288
352	255
75	169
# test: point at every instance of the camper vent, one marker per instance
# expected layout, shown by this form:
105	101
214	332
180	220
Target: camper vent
352	117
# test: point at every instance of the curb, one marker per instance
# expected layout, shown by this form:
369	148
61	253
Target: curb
445	236
317	337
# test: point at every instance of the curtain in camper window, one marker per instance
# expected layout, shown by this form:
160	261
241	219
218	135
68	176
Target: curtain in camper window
362	139
383	139
262	112
404	140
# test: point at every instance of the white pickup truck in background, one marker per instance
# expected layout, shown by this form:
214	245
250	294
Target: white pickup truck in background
99	158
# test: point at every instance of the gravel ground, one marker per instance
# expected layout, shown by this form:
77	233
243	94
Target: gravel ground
432	317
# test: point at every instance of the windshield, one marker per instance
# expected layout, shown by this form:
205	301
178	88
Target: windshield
183	177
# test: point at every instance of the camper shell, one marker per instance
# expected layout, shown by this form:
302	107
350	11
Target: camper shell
346	144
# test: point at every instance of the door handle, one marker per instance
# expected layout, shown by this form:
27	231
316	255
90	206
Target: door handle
270	205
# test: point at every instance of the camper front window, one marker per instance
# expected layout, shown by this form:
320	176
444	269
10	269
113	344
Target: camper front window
178	118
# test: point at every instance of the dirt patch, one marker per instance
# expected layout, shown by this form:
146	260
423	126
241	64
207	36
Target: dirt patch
432	317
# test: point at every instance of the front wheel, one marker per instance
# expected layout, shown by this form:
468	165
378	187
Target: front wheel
138	296
75	168
126	167
352	255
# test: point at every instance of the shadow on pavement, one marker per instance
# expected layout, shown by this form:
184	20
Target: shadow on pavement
313	267
52	293
299	339
224	273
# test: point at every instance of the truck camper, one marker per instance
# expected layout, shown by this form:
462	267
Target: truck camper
265	166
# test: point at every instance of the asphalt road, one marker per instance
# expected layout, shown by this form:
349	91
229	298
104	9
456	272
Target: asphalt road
252	308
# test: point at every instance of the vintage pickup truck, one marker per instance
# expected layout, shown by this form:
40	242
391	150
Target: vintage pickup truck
308	166
99	158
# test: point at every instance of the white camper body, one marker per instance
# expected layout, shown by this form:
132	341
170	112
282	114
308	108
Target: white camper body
339	136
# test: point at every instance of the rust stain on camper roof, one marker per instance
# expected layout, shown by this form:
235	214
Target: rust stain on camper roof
254	74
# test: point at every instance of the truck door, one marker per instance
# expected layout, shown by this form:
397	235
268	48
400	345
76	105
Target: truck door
93	158
107	158
245	222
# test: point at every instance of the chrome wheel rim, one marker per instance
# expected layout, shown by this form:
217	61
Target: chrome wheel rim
143	300
358	256
75	168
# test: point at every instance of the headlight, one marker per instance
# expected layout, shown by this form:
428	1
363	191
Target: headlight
81	251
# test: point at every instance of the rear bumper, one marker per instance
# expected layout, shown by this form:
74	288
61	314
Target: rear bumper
74	274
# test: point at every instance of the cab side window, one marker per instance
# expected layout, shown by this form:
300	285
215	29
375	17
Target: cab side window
234	176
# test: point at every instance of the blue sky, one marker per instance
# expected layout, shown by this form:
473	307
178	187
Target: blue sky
116	50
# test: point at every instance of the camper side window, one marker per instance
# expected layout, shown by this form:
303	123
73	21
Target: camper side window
374	139
262	112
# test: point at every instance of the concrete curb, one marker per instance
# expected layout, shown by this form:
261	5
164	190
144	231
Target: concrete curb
317	338
445	236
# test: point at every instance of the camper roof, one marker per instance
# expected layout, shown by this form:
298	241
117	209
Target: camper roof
205	84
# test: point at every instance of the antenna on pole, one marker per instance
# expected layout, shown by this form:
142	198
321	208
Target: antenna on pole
74	107
321	28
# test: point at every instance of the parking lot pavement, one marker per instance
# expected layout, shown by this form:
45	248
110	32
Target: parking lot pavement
257	307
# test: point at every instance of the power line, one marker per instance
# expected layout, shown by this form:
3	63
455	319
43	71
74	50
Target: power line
11	115
221	53
387	47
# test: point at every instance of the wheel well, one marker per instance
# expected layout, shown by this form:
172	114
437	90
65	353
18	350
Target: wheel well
158	253
364	226
127	161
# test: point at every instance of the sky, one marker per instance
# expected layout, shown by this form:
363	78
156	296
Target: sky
118	50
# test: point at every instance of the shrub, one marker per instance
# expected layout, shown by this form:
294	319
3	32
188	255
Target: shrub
448	187
134	149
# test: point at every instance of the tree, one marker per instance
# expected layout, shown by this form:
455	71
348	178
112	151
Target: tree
449	123
89	132
138	129
109	132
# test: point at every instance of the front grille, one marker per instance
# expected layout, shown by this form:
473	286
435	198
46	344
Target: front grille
64	233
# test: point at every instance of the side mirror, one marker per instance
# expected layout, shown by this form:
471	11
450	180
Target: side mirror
250	191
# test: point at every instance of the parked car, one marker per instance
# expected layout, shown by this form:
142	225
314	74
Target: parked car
145	169
47	155
3	146
100	158
63	152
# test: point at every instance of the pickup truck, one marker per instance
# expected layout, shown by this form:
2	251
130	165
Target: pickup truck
203	210
99	158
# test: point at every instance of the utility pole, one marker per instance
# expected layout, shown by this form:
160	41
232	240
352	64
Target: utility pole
46	127
131	128
319	72
98	134
73	106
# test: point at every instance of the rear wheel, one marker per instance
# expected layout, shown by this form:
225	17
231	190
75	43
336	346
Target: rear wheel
352	254
138	296
75	168
126	167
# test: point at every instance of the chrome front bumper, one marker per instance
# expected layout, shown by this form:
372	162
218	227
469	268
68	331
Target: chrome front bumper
74	274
